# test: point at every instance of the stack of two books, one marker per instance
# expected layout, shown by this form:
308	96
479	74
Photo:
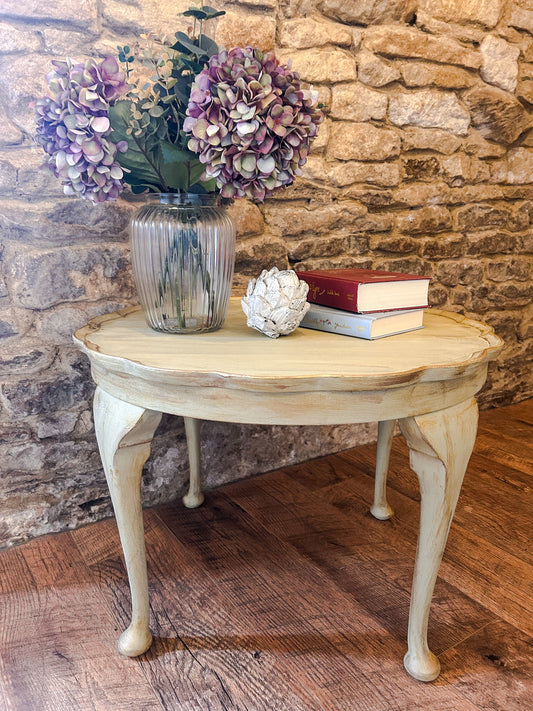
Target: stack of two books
363	302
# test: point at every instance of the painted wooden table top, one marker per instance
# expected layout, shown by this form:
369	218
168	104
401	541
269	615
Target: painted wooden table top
239	357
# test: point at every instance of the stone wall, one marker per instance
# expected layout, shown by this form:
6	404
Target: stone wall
424	164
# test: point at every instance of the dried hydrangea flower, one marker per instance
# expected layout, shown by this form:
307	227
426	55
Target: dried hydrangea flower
73	125
252	122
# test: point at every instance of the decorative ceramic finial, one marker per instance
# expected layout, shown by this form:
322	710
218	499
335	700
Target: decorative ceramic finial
275	302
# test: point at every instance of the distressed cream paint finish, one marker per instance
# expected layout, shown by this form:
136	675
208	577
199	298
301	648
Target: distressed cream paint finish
424	379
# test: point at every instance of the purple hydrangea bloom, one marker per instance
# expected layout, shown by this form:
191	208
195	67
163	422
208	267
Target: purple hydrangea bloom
252	122
73	125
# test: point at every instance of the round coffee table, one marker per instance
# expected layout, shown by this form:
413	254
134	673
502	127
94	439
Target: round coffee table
424	379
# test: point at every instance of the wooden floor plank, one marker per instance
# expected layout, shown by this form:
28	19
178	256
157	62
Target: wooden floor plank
199	654
480	507
493	668
372	560
498	580
56	642
282	593
316	611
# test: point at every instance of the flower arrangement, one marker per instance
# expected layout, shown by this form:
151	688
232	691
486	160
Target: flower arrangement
204	120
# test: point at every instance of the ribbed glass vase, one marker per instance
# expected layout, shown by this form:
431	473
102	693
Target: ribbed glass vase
183	254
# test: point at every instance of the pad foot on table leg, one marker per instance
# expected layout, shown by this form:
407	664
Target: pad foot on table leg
440	445
124	434
422	666
194	497
192	500
380	509
134	641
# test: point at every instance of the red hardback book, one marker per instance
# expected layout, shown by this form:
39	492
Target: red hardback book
366	290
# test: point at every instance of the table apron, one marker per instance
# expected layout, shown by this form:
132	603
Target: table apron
291	408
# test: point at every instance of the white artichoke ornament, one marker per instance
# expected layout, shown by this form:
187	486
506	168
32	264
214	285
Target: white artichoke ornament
275	302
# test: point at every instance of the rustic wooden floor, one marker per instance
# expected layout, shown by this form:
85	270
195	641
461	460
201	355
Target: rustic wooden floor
282	593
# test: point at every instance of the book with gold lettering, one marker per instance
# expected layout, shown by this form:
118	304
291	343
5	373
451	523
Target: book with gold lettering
366	290
369	326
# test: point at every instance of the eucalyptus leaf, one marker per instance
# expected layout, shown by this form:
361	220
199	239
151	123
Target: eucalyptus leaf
208	45
195	12
184	44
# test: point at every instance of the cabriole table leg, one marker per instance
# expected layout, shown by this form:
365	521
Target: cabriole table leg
124	433
194	497
440	446
380	509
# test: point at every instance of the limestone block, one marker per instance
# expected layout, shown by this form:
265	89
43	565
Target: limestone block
63	221
298	8
474	193
321	141
10	134
510	268
421	167
463	33
415	74
406	42
257	253
490	242
371	196
8	177
432	218
247	218
123	18
14	322
385	174
521	217
307	32
409	265
356	102
480	217
434	139
331	245
314	169
296	219
375	71
324	99
445	247
483	12
84	15
39	279
58	323
66	42
38	396
300	218
525	90
24	356
464	271
429	108
478	146
499	62
343	262
13	39
522	19
321	65
60	423
496	114
418	194
22	78
398	244
239	30
269	4
367	12
460	168
361	141
520	166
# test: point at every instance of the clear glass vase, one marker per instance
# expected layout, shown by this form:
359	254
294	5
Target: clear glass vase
183	254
